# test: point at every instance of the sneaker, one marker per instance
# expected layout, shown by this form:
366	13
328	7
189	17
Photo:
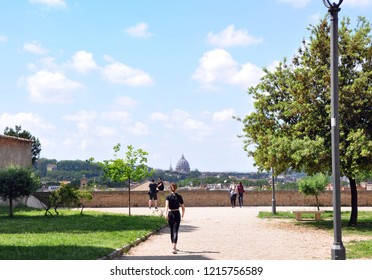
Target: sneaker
174	251
156	208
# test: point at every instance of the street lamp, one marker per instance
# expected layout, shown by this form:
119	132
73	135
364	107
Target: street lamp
273	202
338	249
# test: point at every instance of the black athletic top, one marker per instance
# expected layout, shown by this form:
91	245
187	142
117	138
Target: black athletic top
153	186
175	201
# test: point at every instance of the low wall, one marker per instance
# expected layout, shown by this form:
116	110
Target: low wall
196	198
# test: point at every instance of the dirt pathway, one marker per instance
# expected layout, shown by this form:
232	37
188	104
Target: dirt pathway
224	233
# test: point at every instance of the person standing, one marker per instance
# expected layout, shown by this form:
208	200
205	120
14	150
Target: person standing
153	194
233	191
173	203
240	194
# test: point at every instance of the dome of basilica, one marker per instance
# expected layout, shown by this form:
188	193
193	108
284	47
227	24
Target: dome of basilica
183	165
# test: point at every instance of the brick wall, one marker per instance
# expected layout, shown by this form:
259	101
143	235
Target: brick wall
221	198
15	150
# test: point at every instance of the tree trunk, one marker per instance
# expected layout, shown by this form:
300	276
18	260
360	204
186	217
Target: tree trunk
10	206
317	202
354	203
129	196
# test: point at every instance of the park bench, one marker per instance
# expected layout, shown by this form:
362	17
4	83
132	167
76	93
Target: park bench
299	214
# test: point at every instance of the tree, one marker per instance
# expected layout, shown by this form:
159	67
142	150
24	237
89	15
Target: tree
132	168
67	196
290	128
16	182
36	146
313	185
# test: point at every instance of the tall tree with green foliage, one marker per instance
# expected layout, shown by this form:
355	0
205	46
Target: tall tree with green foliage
290	128
132	168
17	182
36	146
313	185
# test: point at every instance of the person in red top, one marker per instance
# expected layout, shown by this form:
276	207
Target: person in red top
172	213
240	193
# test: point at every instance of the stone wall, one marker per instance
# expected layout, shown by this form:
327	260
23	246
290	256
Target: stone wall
221	198
15	150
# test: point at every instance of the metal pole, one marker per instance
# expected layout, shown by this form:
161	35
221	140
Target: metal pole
273	192
338	249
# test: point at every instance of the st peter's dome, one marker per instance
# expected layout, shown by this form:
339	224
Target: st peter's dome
183	165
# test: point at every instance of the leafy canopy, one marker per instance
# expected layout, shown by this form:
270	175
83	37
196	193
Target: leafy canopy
290	127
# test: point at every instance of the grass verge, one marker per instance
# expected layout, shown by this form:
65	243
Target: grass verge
70	236
356	249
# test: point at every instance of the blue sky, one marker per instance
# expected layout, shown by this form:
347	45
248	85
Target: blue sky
163	76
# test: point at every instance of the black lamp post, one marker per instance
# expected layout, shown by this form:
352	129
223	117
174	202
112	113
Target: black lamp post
273	201
338	249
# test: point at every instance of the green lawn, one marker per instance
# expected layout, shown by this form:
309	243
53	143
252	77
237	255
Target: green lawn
70	236
354	249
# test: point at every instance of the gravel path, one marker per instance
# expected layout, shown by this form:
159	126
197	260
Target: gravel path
224	233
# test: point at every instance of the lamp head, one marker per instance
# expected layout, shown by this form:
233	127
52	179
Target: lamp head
329	5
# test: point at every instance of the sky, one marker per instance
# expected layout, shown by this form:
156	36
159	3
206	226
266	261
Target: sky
163	76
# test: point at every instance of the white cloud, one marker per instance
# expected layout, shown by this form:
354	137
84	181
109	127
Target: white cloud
120	73
29	121
140	30
3	38
224	115
218	66
157	116
83	62
296	3
192	124
139	129
82	116
229	37
49	63
50	3
126	102
103	131
196	130
120	116
273	65
357	3
35	48
179	115
54	87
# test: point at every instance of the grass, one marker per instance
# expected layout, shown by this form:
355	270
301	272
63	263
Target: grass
354	249
30	235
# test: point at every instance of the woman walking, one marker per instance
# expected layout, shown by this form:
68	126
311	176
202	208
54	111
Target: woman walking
240	193
173	203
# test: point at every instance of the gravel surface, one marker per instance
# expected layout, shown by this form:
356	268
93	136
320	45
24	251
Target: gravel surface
224	233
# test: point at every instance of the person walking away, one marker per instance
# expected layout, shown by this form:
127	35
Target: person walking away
153	194
240	194
233	191
173	203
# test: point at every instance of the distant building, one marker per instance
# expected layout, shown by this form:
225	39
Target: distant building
170	167
51	167
14	150
83	182
183	165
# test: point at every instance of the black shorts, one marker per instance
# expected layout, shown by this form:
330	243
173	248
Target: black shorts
153	195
